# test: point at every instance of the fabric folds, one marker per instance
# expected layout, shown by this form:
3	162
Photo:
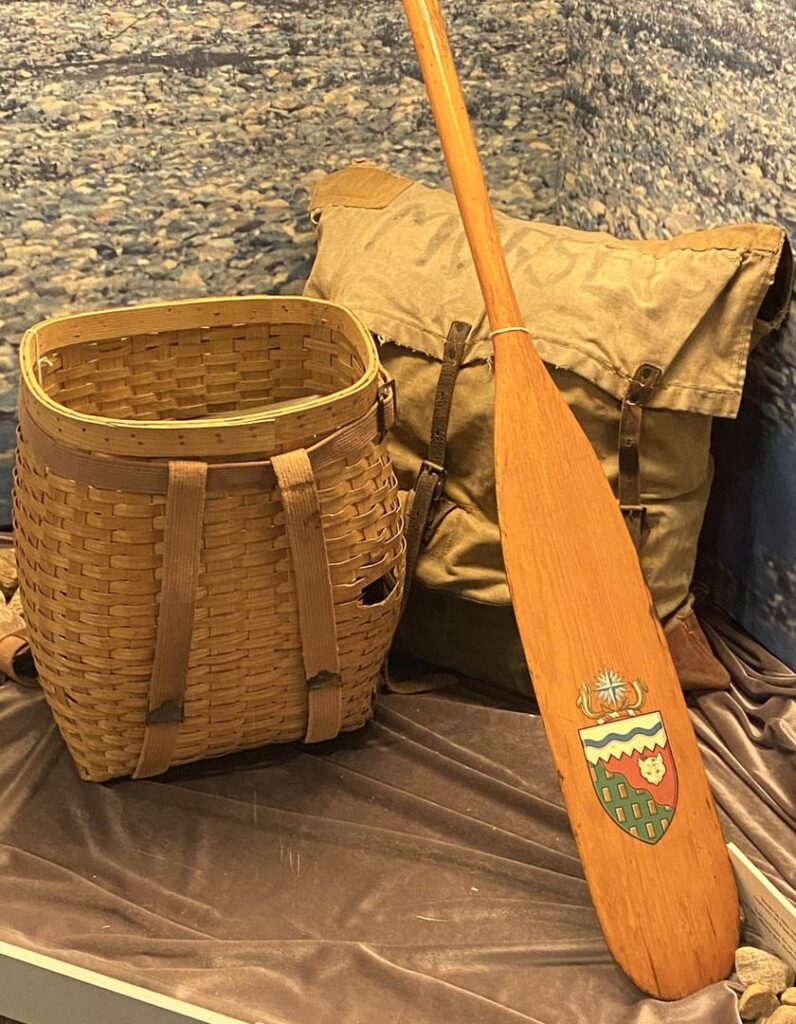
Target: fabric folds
420	870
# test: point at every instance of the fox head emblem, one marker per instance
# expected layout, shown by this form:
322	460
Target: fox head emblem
652	768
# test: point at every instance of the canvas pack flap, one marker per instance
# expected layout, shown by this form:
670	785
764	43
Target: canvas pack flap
395	252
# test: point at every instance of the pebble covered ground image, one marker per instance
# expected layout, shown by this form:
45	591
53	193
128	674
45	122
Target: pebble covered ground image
153	150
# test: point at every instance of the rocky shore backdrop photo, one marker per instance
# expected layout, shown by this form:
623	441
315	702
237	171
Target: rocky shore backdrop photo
153	150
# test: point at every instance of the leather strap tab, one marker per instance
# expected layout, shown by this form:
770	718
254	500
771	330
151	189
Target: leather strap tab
314	594
182	544
639	391
430	481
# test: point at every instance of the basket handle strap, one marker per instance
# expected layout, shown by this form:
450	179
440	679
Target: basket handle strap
182	544
314	594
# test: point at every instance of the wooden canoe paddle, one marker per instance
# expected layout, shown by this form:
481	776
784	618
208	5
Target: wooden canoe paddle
630	769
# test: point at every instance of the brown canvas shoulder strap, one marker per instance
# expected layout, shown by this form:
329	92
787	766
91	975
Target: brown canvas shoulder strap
428	491
431	476
314	593
182	545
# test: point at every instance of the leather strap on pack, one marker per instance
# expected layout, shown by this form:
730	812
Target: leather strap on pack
182	543
314	594
431	476
639	391
426	494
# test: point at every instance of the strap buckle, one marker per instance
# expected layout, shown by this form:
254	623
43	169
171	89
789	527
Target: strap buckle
635	519
386	407
643	383
433	469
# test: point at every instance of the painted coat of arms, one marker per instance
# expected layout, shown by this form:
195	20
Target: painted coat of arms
629	758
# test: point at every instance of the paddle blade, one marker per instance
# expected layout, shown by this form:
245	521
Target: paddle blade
630	769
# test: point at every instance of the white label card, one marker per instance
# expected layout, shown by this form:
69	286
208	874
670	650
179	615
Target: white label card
770	917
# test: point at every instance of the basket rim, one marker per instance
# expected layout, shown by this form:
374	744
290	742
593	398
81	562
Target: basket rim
98	325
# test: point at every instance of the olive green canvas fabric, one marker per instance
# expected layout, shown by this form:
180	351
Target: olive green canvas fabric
598	309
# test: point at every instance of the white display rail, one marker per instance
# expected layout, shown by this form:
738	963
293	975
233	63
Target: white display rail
36	989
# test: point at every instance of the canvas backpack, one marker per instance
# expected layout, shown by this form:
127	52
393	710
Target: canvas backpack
647	341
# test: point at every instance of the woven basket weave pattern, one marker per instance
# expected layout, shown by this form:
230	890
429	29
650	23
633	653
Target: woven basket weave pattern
204	372
90	559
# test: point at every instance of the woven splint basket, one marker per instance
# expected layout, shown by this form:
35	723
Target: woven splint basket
208	527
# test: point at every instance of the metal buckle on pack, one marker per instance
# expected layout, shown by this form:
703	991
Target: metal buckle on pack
387	401
634	511
643	383
434	469
635	520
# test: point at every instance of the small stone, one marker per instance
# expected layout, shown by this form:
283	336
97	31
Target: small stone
788	997
153	91
105	251
52	107
51	289
287	102
34	228
679	223
137	247
755	965
783	1015
757	1001
64	230
192	282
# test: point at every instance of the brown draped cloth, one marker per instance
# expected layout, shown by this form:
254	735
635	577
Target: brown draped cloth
419	871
